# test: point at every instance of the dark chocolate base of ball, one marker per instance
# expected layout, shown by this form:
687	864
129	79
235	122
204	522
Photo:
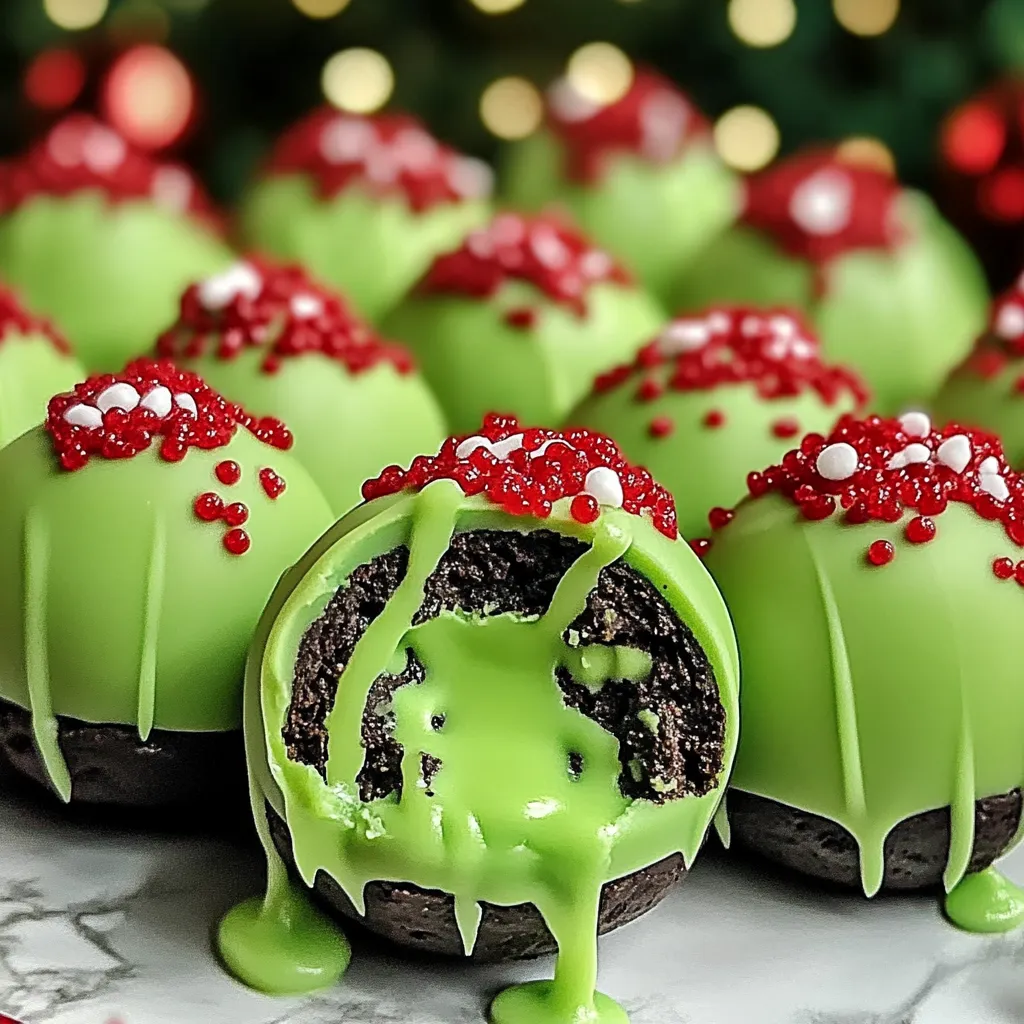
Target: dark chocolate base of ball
110	764
915	851
423	920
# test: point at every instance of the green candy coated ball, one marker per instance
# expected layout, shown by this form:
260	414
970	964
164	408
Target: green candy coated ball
32	369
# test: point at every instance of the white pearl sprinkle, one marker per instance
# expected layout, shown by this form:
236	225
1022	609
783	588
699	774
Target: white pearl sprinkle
470	445
821	204
989	465
837	461
913	454
596	264
955	452
783	326
117	396
684	336
305	306
471	178
604	484
219	291
549	249
345	140
664	118
719	322
916	424
186	402
536	454
158	401
994	484
503	449
83	416
1010	321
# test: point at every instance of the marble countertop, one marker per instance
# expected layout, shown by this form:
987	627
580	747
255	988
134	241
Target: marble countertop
102	926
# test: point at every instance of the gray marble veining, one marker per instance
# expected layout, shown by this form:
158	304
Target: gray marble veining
102	926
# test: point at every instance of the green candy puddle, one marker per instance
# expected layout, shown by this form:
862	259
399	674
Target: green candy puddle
503	820
986	902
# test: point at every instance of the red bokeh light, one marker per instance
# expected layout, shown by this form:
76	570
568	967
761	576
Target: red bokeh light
1002	194
973	138
149	96
55	79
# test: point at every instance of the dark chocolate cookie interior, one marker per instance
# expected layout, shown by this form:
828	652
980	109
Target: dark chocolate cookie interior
675	750
915	851
109	764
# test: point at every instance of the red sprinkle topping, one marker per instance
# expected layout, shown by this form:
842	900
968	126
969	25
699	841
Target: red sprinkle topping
1003	568
523	319
714	419
1003	341
209	507
541	250
389	154
117	416
1018	573
875	470
774	350
15	319
817	208
237	542
272	484
661	426
82	153
786	427
524	471
701	546
235	514
228	473
279	310
654	120
719	517
881	552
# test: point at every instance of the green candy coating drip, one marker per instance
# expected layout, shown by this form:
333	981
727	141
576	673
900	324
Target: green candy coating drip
503	820
110	274
32	371
904	318
986	902
373	248
681	205
347	426
477	363
872	694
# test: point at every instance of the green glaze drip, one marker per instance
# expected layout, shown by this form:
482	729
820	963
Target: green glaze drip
36	569
961	808
986	902
503	820
594	666
155	575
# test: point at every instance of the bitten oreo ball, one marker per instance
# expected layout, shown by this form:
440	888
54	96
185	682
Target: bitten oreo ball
497	707
142	529
875	577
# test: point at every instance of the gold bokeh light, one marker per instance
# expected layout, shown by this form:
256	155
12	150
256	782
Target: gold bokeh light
511	108
75	15
321	8
762	22
600	72
746	138
497	6
866	151
866	17
358	80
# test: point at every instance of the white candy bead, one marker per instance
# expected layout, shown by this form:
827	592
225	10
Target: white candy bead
837	461
305	306
83	416
989	466
955	452
219	291
994	484
916	424
470	445
186	402
118	396
503	449
821	204
158	401
604	484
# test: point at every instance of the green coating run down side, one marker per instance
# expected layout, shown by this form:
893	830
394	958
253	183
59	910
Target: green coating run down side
110	274
372	248
903	319
655	217
32	371
118	604
347	426
477	363
703	467
872	694
496	827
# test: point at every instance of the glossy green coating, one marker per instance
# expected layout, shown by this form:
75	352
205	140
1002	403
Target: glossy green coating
372	248
903	319
118	604
703	466
986	902
109	273
655	217
347	426
32	370
871	694
504	821
993	403
476	363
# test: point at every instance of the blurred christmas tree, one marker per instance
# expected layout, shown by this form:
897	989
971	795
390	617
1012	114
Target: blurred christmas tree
810	69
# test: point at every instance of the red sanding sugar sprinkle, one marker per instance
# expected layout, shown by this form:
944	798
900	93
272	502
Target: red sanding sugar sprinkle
15	319
526	470
653	120
117	416
774	350
817	207
541	250
279	310
389	154
1004	339
877	470
82	153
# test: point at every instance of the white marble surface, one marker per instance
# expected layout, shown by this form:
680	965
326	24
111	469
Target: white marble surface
100	926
